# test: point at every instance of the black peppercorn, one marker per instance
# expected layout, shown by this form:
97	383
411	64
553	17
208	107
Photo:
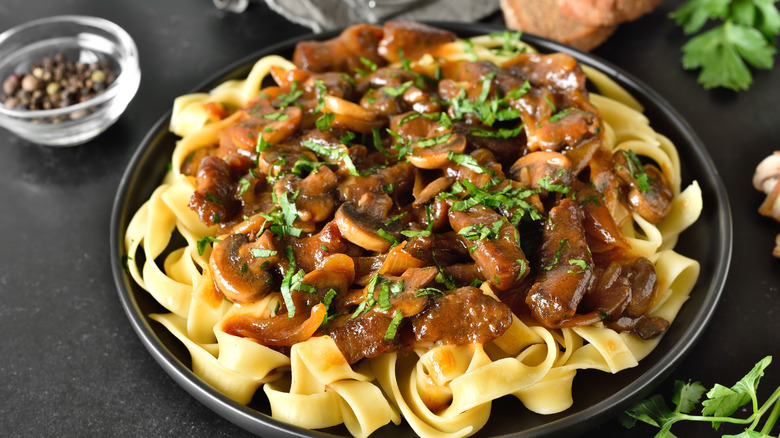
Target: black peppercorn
57	82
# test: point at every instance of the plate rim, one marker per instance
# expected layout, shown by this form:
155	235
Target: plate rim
252	420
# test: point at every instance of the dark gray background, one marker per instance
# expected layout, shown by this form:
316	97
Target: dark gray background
70	362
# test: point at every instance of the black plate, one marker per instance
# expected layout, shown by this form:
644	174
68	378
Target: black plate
597	396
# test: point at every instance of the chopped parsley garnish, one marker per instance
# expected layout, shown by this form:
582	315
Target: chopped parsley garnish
262	252
212	198
429	142
243	186
523	268
324	121
517	93
582	264
387	236
275	116
377	138
396	217
288	99
394	323
368	63
409	117
563	243
501	133
482	231
399	90
511	43
428	291
202	243
332	153
422	233
283	218
304	166
637	171
261	145
550	103
547	184
322	91
467	161
508	197
560	114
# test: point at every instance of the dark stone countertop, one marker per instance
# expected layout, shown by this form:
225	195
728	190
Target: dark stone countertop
72	364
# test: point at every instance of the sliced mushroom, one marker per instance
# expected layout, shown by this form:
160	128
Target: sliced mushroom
363	229
351	116
649	191
312	251
535	167
337	273
315	201
237	274
433	189
279	330
272	124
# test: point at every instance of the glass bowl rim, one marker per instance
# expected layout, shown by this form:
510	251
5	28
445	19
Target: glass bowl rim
123	40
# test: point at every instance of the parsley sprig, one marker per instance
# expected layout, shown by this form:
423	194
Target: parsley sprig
719	406
745	35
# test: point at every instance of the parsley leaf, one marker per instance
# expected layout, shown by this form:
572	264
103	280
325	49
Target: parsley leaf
720	404
397	91
394	323
745	36
202	243
333	153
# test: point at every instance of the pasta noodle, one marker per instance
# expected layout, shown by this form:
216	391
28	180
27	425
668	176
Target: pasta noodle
441	389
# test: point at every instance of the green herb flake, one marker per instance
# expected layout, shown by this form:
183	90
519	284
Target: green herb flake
243	186
275	116
428	291
429	142
324	122
397	91
262	252
203	243
387	236
290	98
467	161
212	198
394	323
333	153
637	171
563	243
581	264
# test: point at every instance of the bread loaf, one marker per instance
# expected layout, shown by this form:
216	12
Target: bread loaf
605	12
543	18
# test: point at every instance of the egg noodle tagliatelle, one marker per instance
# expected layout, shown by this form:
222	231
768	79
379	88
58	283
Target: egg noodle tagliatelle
408	226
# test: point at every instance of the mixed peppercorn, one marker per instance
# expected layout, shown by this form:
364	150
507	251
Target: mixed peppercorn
57	82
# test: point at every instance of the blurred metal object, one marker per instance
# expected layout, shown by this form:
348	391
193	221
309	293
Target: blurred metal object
236	6
322	15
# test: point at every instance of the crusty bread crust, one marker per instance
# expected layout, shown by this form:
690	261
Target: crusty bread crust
605	12
543	18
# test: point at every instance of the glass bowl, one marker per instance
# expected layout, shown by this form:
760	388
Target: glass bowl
90	41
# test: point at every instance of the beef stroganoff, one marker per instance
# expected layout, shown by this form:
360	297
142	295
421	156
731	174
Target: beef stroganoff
400	224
